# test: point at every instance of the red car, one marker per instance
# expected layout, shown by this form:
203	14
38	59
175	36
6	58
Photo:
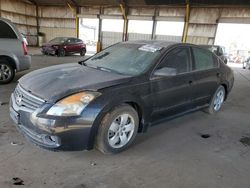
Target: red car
61	46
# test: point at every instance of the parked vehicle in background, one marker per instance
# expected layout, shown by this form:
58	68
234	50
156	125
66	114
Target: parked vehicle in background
218	50
246	63
61	46
105	100
13	52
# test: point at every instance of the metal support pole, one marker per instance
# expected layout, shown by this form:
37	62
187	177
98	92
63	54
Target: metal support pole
99	43
77	27
0	10
75	12
37	25
125	25
154	25
217	24
184	38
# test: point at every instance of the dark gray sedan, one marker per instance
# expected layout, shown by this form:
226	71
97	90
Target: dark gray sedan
107	99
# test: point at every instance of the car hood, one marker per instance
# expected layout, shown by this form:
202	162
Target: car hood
55	82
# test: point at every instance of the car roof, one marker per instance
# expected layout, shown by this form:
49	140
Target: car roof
207	45
160	43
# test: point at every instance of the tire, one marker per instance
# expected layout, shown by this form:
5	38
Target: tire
248	67
83	52
115	138
61	53
217	101
244	66
7	72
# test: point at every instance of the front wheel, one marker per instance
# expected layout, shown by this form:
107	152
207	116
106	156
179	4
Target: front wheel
61	53
117	130
217	100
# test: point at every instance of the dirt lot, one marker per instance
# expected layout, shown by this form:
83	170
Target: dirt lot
173	154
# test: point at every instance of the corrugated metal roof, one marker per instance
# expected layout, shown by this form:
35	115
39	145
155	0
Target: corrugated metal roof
198	2
141	2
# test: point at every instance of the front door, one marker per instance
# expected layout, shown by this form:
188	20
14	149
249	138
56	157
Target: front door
172	94
70	45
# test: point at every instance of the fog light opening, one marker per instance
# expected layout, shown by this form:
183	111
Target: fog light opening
50	140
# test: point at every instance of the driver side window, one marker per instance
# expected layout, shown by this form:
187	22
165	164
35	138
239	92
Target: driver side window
177	59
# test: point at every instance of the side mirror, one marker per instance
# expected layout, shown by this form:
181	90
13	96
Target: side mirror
165	71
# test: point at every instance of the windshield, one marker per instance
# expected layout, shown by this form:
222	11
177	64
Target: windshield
58	40
125	58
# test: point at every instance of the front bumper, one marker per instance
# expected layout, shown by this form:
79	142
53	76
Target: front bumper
58	133
48	50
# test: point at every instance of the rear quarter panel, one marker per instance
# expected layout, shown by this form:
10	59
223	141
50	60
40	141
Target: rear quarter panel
227	76
13	48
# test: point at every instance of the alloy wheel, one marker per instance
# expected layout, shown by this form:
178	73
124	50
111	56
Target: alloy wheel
219	99
5	72
121	131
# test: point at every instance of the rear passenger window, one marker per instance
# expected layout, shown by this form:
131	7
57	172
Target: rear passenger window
204	59
6	31
177	59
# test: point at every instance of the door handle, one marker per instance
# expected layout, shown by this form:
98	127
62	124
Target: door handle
218	74
190	82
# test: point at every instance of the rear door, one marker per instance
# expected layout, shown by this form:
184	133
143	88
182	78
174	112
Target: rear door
79	45
172	94
206	74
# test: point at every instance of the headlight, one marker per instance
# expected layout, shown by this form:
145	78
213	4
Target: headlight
72	105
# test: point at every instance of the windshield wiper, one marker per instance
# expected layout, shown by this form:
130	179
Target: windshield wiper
87	65
99	68
83	63
101	56
108	70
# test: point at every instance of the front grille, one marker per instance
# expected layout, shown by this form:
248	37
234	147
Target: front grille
26	100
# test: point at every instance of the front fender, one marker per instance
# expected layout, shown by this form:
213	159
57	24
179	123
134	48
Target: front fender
107	103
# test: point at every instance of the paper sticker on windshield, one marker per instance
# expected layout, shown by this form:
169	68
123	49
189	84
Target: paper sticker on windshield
150	48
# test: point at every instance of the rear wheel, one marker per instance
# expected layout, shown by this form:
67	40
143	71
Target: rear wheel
217	100
7	72
83	52
248	66
117	130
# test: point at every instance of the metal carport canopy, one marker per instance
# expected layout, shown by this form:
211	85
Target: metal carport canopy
140	2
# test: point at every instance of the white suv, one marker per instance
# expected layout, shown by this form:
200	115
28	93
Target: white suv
13	52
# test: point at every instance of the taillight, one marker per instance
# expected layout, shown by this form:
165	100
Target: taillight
25	49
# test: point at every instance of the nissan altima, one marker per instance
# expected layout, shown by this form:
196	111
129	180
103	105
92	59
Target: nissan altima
104	101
